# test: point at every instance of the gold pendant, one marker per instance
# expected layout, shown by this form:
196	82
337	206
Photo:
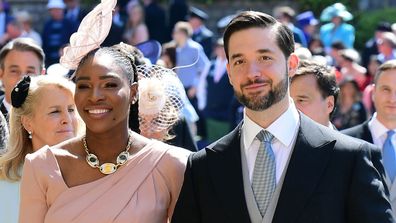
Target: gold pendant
108	168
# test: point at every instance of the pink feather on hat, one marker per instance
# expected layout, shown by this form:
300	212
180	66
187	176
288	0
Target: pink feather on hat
92	31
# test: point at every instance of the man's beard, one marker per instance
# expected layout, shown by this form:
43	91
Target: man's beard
260	103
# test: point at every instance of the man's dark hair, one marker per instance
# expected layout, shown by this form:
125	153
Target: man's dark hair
253	19
325	78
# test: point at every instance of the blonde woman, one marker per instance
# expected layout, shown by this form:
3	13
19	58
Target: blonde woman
43	113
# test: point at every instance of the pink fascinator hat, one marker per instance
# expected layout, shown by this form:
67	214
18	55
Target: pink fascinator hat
92	31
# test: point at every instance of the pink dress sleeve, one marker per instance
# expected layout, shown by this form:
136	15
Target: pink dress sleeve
33	206
172	169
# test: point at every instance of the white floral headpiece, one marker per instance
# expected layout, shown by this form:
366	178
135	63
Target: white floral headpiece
92	31
160	98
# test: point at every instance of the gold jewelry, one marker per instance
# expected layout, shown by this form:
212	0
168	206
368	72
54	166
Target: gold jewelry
107	168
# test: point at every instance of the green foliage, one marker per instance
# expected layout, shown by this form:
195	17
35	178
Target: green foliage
366	22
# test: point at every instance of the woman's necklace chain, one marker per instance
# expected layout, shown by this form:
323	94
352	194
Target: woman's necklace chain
107	168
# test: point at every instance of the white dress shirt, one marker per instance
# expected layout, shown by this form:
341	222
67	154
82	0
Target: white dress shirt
284	129
379	132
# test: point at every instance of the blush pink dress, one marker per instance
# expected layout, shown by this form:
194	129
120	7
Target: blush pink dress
144	190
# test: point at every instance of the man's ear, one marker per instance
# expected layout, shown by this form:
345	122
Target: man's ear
43	71
330	104
1	73
292	64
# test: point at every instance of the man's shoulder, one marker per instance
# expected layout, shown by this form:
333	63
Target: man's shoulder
319	134
356	131
224	144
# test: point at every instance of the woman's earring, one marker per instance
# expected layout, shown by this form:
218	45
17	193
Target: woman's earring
30	134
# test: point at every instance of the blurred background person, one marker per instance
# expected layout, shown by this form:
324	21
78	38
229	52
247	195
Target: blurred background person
136	30
314	91
14	30
334	55
350	67
316	46
307	22
43	113
192	66
5	17
25	19
371	47
178	11
386	47
337	29
219	96
201	34
155	18
21	56
56	32
350	110
285	15
168	55
74	12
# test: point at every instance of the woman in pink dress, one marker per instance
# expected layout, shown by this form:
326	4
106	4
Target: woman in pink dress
111	174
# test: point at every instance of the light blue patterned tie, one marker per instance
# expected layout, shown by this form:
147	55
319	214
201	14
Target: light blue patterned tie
389	156
264	173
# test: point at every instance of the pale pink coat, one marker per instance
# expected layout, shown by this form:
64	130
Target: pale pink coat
144	190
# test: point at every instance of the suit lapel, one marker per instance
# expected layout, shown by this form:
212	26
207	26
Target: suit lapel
308	160
224	164
366	134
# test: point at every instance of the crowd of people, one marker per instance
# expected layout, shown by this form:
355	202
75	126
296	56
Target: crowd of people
129	113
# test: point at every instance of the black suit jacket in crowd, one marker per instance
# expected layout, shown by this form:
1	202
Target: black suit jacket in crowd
205	38
361	131
330	178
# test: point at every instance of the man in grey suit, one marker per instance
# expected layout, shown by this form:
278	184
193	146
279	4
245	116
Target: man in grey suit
278	165
378	130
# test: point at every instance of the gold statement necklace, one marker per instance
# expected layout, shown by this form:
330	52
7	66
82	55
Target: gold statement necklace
107	168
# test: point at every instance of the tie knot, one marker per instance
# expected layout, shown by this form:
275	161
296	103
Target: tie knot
390	133
265	136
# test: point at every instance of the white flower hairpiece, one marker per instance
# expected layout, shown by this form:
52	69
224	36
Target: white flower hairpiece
151	96
92	31
160	98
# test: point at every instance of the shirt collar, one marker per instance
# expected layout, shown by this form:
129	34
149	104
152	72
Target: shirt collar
376	127
283	128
